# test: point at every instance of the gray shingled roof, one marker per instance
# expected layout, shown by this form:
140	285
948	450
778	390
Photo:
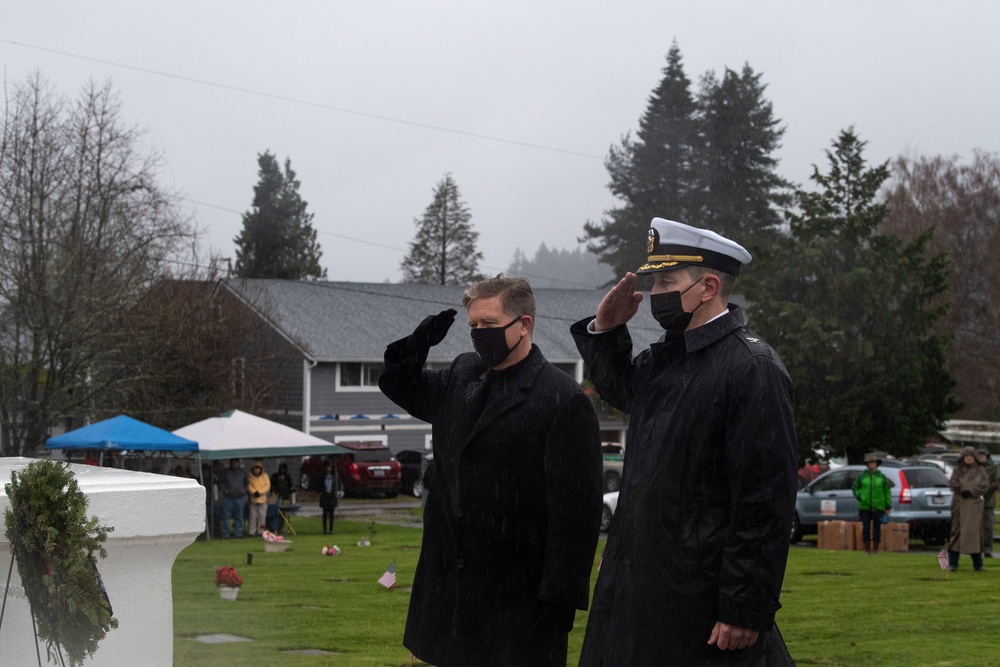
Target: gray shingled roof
342	321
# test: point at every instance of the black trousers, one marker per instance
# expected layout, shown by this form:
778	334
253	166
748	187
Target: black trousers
871	525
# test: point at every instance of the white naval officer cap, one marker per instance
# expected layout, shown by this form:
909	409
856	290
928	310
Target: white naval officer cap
673	244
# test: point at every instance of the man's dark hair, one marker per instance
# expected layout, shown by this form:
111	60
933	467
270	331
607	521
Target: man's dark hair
726	280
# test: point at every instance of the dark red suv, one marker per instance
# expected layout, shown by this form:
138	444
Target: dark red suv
369	468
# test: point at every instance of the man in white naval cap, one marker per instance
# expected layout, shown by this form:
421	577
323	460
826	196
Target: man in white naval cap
693	566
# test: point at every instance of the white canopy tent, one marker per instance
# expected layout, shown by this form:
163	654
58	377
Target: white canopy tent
236	435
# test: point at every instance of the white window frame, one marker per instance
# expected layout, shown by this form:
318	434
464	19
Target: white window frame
383	439
359	388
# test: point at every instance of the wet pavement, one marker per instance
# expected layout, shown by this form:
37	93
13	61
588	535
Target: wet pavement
392	511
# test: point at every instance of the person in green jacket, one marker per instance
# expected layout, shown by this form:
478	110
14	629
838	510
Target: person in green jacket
874	493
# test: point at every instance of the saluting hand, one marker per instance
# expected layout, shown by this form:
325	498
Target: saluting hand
434	328
619	305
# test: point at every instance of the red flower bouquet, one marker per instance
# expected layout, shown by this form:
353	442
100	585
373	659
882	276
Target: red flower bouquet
227	575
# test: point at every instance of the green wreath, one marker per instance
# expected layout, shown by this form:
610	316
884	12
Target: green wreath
54	544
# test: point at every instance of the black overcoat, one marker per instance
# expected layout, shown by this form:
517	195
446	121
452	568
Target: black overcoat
511	525
701	531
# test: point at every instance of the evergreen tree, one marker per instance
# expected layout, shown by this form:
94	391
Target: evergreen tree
444	249
560	268
704	161
852	312
277	239
742	193
653	175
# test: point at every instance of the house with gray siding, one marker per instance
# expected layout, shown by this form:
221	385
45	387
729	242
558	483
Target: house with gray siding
339	331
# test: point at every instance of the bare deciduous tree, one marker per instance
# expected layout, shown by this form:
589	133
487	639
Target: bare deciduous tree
217	354
85	230
961	201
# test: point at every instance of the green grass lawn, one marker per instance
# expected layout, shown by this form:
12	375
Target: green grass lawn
840	608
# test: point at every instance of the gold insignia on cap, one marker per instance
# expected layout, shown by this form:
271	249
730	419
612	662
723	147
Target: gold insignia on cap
657	267
651	246
675	258
663	262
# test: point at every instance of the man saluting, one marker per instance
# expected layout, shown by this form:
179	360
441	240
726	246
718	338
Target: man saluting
694	562
511	525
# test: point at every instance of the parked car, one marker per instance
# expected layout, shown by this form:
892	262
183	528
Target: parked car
811	470
940	464
920	497
412	463
946	463
614	460
313	471
608	511
369	468
934	448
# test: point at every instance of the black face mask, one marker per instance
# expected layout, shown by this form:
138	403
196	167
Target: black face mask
491	343
669	311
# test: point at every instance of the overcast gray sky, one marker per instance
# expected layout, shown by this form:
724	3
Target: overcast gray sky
375	101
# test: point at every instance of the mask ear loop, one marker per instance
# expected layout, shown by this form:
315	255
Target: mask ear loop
700	303
512	323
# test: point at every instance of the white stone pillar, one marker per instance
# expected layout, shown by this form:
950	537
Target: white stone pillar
154	517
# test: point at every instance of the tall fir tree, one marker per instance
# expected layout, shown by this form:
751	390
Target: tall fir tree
705	161
652	175
852	312
443	252
277	239
742	193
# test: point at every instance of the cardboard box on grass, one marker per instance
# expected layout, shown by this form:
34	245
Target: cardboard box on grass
859	542
835	535
895	537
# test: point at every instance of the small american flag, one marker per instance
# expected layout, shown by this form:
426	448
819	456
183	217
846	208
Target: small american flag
943	559
389	578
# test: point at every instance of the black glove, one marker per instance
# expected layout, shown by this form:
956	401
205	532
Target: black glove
256	494
966	494
432	330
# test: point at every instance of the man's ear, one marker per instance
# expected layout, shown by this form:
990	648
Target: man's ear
529	323
712	286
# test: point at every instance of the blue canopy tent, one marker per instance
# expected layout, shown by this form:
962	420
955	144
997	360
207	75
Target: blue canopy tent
122	433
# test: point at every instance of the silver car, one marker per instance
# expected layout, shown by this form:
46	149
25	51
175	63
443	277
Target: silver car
920	497
608	511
